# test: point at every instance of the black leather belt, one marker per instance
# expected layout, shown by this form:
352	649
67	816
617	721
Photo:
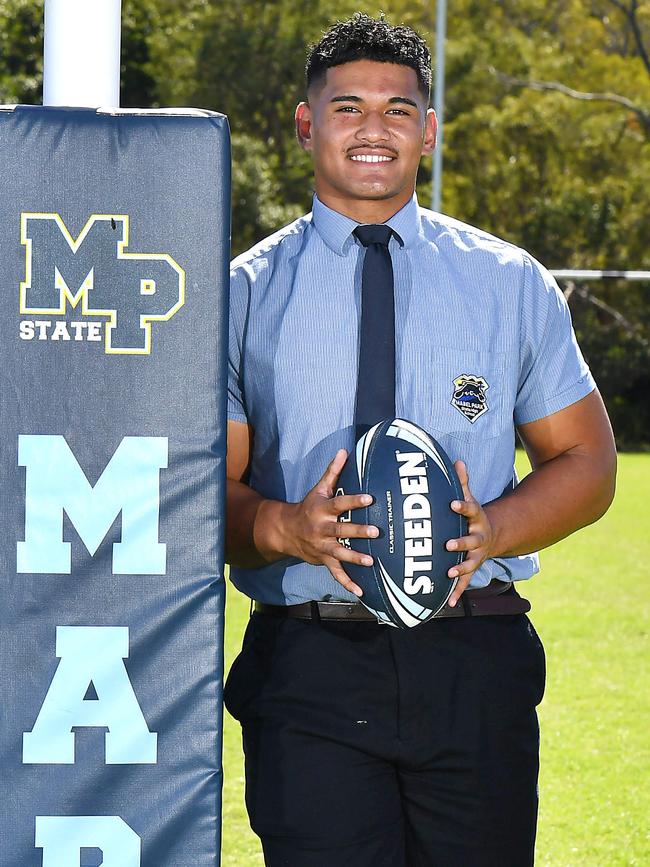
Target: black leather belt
499	597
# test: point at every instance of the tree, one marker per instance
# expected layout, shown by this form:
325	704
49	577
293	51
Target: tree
21	51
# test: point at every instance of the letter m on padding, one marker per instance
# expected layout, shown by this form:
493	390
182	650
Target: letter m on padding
55	483
130	290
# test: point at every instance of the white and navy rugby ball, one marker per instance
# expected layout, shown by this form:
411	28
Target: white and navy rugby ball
412	482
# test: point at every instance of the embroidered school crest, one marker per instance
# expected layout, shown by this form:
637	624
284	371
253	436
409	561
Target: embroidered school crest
469	396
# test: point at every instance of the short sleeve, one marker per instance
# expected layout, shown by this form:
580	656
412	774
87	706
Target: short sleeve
553	372
238	307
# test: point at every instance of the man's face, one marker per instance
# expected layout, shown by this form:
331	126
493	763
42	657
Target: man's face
366	129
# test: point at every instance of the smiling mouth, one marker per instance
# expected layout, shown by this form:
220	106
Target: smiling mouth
371	158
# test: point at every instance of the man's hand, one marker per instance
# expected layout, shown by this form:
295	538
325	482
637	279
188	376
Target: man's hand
260	531
312	528
477	543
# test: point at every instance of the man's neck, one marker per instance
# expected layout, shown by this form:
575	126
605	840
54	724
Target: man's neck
365	211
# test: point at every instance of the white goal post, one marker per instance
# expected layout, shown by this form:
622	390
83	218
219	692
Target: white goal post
562	274
81	63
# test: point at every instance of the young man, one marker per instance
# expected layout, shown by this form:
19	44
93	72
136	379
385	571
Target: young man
367	745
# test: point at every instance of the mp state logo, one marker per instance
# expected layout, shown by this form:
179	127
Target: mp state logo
116	296
469	396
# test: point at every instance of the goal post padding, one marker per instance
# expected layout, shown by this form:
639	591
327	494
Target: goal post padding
114	247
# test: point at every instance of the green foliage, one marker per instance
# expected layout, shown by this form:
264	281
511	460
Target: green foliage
619	355
21	51
255	205
138	82
567	179
159	50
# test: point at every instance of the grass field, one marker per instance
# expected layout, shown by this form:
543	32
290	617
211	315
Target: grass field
591	606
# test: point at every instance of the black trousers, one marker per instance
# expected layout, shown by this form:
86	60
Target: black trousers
367	745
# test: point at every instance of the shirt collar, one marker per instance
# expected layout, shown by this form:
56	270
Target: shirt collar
336	229
407	223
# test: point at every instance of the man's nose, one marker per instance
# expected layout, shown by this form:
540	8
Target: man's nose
373	128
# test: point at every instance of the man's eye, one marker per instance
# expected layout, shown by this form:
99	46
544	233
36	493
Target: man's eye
398	111
348	108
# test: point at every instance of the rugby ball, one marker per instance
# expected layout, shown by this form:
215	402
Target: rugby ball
412	482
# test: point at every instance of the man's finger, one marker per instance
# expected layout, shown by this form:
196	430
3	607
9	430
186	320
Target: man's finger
469	565
340	575
344	530
347	555
459	589
466	543
330	477
349	502
463	478
469	508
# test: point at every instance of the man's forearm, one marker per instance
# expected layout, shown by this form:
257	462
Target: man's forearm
253	527
560	496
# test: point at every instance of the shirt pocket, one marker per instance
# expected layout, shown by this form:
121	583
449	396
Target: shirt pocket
464	393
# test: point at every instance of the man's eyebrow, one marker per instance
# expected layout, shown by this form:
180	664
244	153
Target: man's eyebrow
346	98
404	99
393	99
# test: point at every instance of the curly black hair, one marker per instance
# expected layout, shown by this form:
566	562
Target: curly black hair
364	38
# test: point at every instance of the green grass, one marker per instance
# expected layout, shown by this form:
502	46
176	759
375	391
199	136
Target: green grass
591	606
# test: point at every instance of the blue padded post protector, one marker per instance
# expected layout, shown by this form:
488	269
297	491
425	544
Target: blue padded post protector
114	247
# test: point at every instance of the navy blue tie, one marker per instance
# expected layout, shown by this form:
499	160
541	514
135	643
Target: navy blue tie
376	376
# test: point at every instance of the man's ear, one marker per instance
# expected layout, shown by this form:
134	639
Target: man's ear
303	125
430	133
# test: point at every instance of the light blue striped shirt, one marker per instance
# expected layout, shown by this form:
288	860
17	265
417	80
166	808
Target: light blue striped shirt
484	342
